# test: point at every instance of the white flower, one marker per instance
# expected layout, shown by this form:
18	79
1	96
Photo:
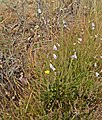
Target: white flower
54	47
95	65
97	74
100	56
74	56
13	97
55	56
93	24
80	39
79	42
65	25
74	43
93	28
53	68
58	44
64	22
39	11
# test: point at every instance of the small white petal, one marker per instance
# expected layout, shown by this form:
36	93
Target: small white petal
79	42
80	39
100	56
93	24
95	65
65	25
74	43
64	22
97	74
13	97
74	56
53	69
39	11
58	44
54	47
93	28
29	38
55	56
51	66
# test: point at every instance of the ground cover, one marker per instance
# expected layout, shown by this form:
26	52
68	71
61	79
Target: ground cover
50	60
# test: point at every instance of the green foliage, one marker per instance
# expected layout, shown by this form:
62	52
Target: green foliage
71	89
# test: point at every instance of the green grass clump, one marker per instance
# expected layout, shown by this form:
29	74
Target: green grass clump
70	91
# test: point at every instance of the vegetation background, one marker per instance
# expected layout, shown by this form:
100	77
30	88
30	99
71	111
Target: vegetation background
50	60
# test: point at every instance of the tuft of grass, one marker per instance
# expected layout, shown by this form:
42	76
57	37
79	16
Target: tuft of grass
53	68
70	91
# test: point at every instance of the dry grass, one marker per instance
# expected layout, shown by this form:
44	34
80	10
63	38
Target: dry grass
28	32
